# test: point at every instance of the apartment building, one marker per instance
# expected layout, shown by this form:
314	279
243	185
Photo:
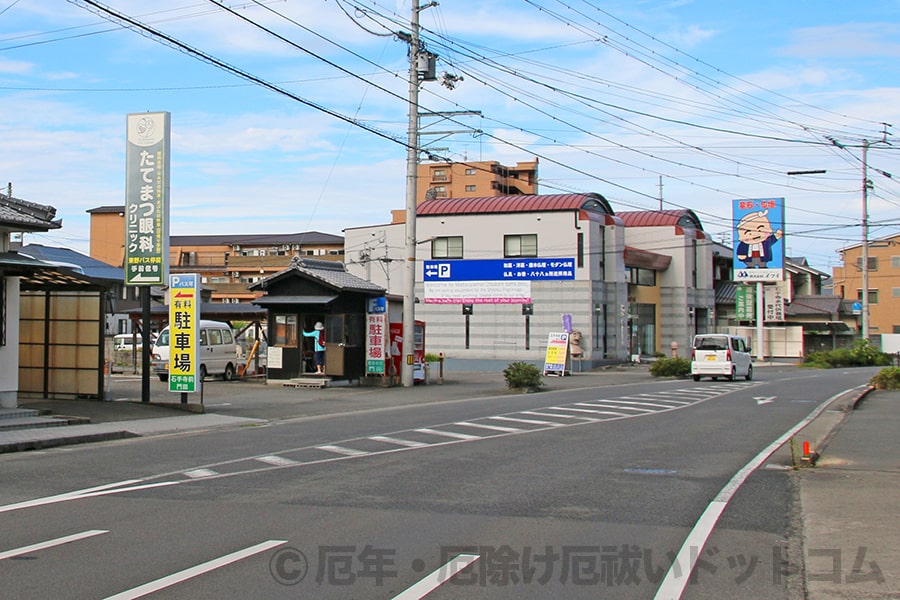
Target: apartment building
476	179
884	281
227	263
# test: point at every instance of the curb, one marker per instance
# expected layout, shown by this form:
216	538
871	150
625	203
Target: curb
84	438
820	431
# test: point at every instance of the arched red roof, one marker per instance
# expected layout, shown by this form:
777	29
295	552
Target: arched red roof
683	217
515	204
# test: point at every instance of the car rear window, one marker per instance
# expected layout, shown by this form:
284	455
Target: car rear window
711	343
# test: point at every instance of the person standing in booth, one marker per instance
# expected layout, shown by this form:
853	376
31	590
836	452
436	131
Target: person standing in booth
318	334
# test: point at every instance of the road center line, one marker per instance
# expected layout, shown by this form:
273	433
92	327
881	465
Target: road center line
217	563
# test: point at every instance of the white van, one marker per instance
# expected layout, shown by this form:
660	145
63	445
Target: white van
721	355
217	352
125	341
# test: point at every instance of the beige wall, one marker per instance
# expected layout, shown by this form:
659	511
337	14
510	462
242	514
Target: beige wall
884	278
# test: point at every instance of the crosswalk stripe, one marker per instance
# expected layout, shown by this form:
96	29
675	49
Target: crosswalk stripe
342	450
398	441
644	399
489	427
555	416
450	434
585	410
200	473
637	408
528	421
656	404
278	461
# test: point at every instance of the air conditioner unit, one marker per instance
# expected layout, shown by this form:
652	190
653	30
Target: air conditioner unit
235	273
286	247
237	248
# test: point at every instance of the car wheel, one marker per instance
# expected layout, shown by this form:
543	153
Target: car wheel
696	378
733	373
749	375
163	377
202	372
228	375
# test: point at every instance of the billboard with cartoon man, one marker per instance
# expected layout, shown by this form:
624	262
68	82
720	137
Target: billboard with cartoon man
759	239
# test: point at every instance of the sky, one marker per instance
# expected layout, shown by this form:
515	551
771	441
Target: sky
292	115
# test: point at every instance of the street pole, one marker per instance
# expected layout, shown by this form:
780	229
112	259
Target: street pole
865	241
412	159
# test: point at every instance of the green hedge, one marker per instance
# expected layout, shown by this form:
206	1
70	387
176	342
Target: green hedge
862	354
671	367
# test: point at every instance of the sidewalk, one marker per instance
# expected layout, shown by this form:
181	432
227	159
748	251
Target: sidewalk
848	501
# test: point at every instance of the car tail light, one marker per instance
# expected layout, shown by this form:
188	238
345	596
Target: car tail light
693	354
728	355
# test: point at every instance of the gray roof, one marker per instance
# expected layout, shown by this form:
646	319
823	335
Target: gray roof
332	273
65	257
21	215
814	305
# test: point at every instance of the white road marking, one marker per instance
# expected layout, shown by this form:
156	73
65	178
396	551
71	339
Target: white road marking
51	543
450	434
528	421
217	563
437	577
617	405
675	581
392	440
489	427
645	403
278	461
200	473
103	490
342	450
557	416
586	410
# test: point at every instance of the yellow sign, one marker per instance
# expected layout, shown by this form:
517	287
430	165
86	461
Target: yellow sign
557	353
184	305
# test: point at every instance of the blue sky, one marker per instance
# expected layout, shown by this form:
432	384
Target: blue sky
704	100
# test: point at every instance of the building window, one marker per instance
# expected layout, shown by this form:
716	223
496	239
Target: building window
873	296
895	292
439	175
895	262
873	263
470	171
638	276
470	188
515	246
447	247
440	191
286	331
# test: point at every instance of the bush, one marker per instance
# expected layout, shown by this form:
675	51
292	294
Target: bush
862	354
522	376
887	379
671	367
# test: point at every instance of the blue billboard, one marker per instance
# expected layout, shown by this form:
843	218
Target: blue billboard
506	269
759	239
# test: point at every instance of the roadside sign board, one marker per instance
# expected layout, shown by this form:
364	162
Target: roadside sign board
184	307
147	199
377	336
557	352
745	302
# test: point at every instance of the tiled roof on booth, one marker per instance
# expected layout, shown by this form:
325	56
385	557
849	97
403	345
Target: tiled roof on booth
21	215
515	204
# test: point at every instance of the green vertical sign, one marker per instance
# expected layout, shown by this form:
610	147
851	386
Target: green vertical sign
745	302
147	199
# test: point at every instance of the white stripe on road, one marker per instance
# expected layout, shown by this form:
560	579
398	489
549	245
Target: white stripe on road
528	421
199	473
592	405
217	563
585	410
540	414
675	581
51	543
278	461
102	490
643	400
450	434
342	450
398	441
437	577
489	427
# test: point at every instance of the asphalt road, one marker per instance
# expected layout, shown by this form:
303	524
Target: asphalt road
568	494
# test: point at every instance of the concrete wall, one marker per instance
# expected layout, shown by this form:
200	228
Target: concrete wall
9	352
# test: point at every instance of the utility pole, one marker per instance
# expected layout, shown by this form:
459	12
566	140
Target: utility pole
417	73
866	184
